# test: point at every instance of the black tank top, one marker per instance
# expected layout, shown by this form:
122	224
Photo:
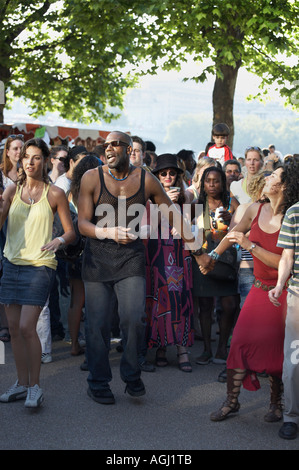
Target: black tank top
106	260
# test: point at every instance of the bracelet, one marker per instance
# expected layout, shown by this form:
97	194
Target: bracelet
61	239
214	255
253	246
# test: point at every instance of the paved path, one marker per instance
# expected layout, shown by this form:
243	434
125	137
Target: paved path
173	415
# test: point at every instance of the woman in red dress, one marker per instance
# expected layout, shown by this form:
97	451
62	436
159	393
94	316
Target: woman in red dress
257	341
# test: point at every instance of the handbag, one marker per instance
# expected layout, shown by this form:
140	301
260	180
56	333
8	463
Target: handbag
226	267
73	250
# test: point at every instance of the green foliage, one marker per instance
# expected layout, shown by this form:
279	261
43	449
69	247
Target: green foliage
257	35
78	57
71	56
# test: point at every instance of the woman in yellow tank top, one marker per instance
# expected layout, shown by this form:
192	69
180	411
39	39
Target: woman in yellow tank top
29	263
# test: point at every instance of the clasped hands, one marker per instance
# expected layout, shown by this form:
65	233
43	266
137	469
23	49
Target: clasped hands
205	263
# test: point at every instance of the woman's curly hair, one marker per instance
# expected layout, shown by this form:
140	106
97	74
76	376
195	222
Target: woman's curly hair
290	178
256	185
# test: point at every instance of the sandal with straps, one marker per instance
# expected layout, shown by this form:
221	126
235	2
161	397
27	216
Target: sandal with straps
229	406
184	366
161	360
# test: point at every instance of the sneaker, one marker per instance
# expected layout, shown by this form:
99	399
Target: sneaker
146	366
204	359
34	397
84	365
16	392
218	360
222	377
104	396
46	358
135	388
288	430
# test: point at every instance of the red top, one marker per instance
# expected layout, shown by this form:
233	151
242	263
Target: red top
267	241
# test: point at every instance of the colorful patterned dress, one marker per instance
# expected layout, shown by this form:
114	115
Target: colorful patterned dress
169	303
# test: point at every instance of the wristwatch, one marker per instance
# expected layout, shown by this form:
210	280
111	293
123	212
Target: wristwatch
197	252
252	247
214	255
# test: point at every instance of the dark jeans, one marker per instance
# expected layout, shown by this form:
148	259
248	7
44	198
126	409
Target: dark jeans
59	299
246	279
100	298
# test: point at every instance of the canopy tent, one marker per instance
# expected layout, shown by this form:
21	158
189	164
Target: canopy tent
88	137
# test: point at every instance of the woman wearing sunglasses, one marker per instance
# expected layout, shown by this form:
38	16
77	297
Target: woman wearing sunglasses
58	158
169	277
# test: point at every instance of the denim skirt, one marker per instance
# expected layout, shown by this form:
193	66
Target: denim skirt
25	285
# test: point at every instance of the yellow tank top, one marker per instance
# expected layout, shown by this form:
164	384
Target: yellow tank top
29	228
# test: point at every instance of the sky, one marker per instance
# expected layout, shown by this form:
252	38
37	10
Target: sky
246	84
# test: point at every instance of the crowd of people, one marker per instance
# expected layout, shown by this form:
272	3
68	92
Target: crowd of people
112	237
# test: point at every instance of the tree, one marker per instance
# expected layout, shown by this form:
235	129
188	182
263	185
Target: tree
79	56
259	35
70	56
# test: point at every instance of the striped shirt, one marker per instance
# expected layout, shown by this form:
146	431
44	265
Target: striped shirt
289	238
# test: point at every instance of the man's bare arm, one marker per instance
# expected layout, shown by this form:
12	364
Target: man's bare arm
284	270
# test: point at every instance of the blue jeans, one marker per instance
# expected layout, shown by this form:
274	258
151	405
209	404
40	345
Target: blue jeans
100	298
246	279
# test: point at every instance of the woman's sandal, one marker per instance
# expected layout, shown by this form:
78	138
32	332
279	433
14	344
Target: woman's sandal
231	405
161	361
184	366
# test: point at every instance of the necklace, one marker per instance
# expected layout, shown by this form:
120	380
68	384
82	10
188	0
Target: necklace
119	179
30	198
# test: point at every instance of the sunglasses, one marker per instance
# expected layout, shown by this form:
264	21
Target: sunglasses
61	159
253	148
168	172
16	136
115	143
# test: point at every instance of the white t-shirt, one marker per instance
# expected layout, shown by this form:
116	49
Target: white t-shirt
238	190
64	183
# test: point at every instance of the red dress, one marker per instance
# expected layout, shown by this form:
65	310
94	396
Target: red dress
258	337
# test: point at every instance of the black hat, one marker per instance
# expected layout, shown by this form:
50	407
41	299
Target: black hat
167	160
76	150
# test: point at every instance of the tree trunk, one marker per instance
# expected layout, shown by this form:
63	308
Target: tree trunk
4	78
223	99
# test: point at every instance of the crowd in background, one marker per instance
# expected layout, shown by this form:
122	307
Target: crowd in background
183	297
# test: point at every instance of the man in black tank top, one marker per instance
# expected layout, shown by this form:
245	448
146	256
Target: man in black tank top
114	262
